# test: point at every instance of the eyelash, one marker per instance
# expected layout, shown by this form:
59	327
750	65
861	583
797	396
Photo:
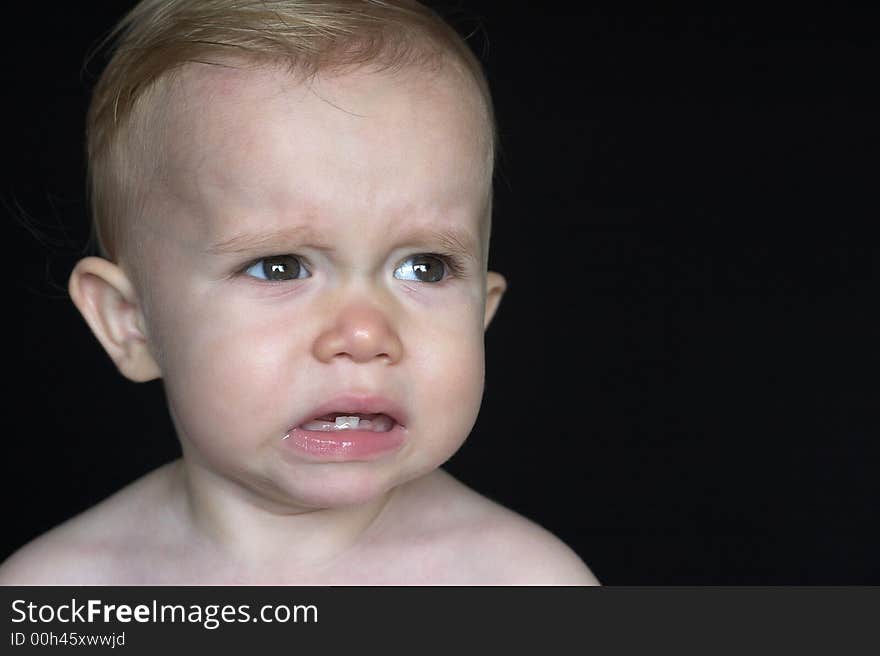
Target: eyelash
455	268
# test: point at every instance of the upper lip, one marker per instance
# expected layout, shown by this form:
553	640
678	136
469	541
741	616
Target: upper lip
365	404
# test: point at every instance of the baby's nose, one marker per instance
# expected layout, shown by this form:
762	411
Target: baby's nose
362	333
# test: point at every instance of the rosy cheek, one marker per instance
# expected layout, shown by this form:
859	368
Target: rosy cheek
226	380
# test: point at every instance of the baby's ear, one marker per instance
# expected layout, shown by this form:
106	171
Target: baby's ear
106	298
495	286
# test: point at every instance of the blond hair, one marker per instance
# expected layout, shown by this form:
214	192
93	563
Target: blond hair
158	37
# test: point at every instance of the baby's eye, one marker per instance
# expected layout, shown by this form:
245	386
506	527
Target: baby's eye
421	268
277	268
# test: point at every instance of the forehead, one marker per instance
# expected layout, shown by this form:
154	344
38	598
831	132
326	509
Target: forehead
404	143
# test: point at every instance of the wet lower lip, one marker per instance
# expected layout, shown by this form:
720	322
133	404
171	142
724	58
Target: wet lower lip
343	446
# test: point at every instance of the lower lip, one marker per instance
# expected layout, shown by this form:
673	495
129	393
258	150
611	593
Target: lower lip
345	445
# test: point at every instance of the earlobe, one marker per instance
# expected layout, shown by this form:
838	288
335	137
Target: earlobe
495	288
104	295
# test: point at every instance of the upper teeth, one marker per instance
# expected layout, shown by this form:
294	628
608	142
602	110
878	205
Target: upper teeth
347	422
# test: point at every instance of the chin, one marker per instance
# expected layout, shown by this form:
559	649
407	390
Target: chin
338	485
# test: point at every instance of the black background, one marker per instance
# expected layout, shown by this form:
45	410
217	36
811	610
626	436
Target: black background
680	378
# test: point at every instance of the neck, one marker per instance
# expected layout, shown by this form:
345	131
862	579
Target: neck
246	526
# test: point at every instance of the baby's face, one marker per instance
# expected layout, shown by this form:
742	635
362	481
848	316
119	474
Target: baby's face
315	249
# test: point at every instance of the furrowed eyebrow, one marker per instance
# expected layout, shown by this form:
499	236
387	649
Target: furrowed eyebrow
454	241
246	243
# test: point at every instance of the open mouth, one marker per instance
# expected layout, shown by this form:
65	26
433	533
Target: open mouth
343	421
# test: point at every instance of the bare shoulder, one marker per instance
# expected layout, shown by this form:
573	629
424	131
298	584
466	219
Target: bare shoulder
51	559
491	544
87	549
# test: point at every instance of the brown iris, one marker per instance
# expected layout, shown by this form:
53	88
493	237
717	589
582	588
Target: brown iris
428	268
281	267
